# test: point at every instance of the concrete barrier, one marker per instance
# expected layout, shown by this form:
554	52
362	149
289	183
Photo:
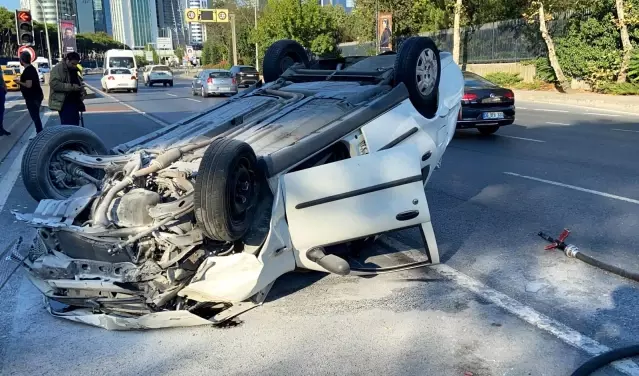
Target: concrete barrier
527	72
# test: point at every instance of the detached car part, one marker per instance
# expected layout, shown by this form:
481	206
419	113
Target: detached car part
193	223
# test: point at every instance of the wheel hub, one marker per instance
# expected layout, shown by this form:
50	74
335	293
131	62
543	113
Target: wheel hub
243	190
426	71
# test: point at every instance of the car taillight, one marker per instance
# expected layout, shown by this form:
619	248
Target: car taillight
209	80
134	78
509	94
233	80
469	97
110	78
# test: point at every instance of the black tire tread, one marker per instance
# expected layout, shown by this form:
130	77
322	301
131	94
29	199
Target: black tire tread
271	61
35	157
405	72
488	130
211	211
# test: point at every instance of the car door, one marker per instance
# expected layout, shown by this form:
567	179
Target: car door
355	197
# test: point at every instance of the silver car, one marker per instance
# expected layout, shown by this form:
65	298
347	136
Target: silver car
214	82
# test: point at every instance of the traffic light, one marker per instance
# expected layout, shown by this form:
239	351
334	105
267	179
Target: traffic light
24	27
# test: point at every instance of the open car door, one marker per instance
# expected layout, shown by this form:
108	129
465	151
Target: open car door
356	198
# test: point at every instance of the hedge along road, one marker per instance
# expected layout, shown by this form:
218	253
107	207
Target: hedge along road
426	321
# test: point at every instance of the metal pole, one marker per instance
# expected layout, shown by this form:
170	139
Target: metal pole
46	32
233	39
376	44
257	61
57	18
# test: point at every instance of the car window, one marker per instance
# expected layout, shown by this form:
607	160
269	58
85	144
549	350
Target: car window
248	69
8	72
120	71
121	62
220	74
474	81
161	68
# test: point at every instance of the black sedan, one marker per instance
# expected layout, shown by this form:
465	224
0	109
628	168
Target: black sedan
485	105
245	75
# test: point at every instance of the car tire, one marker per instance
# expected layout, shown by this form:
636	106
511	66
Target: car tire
280	56
227	174
203	93
171	84
39	153
422	84
193	92
488	130
106	90
135	90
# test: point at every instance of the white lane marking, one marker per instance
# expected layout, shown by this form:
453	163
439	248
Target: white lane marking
602	194
522	108
521	138
600	114
194	100
581	107
525	313
624	130
553	123
9	180
171	95
549	110
153	119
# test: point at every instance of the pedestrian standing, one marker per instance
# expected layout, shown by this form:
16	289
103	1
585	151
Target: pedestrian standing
29	82
3	97
67	91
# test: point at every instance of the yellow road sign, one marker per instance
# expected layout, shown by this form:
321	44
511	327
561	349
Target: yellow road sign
214	15
192	14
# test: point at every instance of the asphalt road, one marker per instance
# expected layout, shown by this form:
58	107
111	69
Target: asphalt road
507	307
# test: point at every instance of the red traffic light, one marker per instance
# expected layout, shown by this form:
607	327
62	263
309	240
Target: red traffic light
24	16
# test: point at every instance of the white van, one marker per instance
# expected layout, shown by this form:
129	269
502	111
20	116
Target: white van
120	59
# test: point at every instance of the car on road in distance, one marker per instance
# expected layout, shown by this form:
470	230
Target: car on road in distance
9	75
120	79
485	105
213	82
157	74
193	223
245	75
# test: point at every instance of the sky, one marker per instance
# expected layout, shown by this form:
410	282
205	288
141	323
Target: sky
10	4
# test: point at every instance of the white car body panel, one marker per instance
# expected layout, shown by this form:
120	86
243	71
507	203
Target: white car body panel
119	81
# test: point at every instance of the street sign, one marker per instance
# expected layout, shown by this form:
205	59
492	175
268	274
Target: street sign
28	49
189	51
207	15
164	43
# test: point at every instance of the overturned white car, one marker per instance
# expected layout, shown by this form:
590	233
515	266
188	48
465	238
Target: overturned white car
193	223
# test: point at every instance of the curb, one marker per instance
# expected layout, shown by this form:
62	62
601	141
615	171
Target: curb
600	104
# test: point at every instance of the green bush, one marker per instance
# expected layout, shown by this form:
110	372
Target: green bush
633	72
543	70
615	88
504	79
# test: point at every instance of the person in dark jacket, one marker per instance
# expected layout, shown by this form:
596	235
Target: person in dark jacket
67	90
29	82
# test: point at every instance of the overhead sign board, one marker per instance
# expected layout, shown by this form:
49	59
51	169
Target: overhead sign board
207	15
163	43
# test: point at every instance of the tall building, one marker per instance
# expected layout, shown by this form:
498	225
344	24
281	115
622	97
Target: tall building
197	30
48	6
102	16
134	22
85	16
171	21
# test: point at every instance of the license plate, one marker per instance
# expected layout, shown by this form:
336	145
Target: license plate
123	84
492	115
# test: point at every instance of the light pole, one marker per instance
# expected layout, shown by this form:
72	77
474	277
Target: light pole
57	21
257	61
46	32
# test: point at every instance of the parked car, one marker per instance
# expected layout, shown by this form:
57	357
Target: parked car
158	74
120	79
213	82
245	75
485	105
193	223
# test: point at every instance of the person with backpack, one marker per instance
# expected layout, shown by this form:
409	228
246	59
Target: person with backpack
67	90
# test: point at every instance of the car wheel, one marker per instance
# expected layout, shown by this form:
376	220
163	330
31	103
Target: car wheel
106	90
193	91
487	130
226	190
146	83
164	84
171	84
203	93
280	56
45	174
418	67
135	90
